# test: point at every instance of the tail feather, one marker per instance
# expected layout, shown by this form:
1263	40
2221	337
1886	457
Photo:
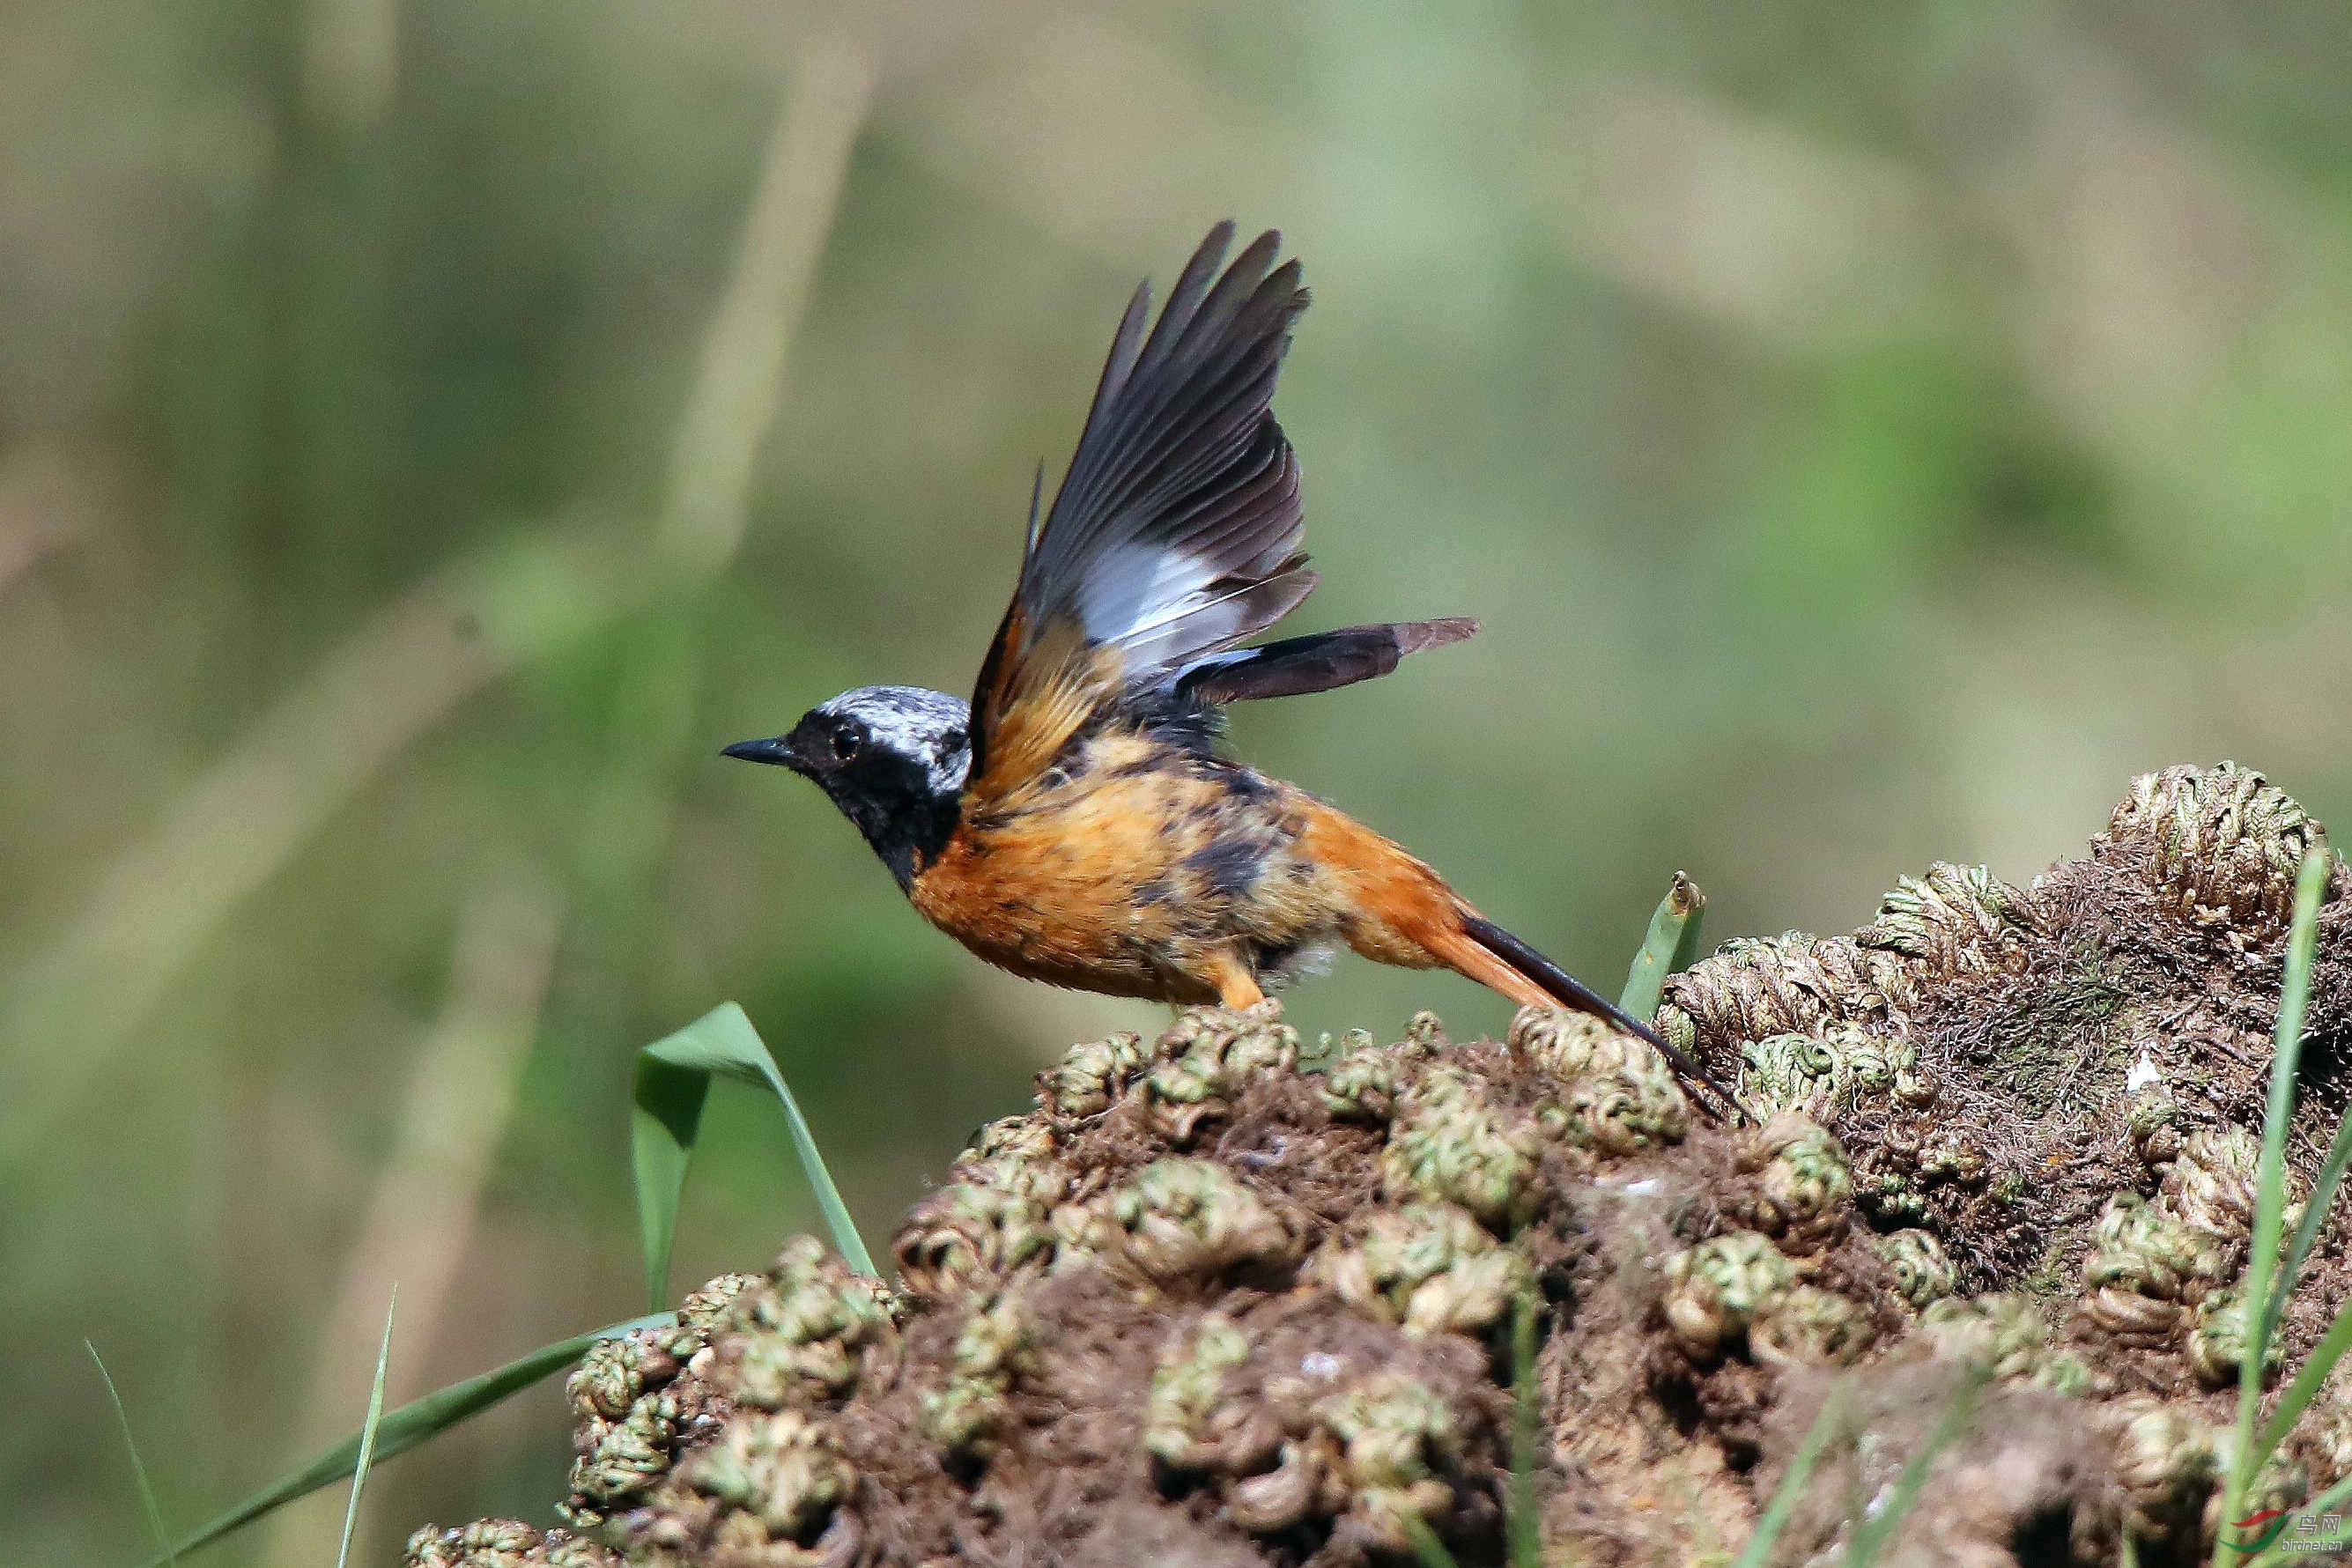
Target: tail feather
1321	662
1571	992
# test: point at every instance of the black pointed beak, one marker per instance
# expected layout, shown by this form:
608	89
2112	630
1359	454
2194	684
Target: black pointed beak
775	749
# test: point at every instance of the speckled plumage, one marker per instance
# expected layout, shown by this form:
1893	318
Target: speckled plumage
1140	868
1076	823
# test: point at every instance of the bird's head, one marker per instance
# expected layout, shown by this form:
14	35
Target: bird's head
893	758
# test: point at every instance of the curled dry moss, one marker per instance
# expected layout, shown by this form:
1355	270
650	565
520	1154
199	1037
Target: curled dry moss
1428	1267
1203	1306
1206	1060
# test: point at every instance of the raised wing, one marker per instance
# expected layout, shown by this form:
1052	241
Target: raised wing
1175	533
1321	661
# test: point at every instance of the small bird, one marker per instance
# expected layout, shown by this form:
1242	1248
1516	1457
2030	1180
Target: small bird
1076	821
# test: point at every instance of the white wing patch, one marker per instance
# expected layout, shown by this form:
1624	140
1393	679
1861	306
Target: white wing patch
1137	589
1163	608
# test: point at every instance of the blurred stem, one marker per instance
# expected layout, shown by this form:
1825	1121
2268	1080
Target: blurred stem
151	908
735	397
1525	1528
350	60
150	911
153	1510
367	1436
426	1201
2270	1183
632	802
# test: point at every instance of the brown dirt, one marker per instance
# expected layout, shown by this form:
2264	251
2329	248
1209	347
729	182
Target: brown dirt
1207	1306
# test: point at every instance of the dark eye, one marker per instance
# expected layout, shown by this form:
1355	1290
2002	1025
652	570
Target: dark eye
953	740
846	745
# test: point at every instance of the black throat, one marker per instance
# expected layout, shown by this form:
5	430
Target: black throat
893	804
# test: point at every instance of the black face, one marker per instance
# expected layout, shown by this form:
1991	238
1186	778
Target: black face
891	757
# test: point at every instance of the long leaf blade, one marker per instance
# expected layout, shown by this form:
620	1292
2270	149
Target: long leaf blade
722	1043
2306	1234
1670	946
2308	1380
1526	1532
2302	947
367	1434
1792	1485
403	1429
665	1116
2270	1175
137	1469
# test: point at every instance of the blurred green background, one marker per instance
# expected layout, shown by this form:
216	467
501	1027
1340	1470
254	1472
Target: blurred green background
429	429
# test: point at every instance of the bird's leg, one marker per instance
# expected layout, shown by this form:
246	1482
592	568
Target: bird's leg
1237	988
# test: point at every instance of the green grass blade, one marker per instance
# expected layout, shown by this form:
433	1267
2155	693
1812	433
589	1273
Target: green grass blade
2307	1383
665	1116
1425	1544
1671	945
1871	1534
722	1043
1792	1485
1527	1415
367	1434
2269	1176
2301	943
2314	1215
137	1469
403	1429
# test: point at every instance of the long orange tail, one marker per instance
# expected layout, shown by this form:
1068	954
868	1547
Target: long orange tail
1403	912
1485	952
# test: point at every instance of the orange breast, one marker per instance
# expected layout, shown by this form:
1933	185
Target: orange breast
1139	870
1073	877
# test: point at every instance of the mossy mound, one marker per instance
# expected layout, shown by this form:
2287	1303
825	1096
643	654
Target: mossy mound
1209	1305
